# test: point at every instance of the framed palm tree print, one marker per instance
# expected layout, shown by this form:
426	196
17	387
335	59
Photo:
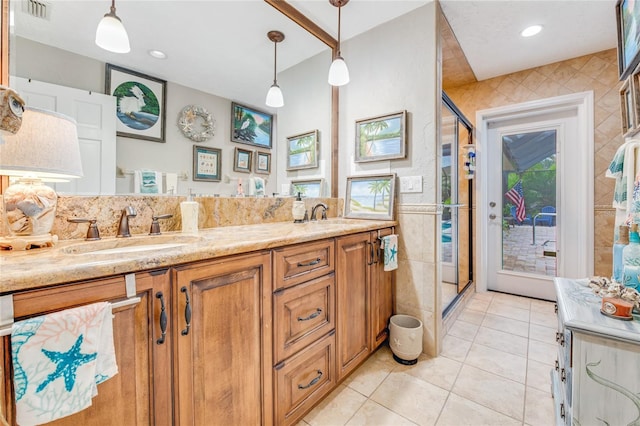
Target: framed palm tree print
302	151
370	197
381	138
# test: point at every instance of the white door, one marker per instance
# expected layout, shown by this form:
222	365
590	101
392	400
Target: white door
545	150
94	114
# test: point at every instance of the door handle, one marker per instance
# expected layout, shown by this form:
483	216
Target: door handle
492	216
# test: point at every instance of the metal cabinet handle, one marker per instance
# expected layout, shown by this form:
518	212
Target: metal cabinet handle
370	262
558	336
562	413
376	250
313	262
312	382
557	365
555	308
163	318
187	312
312	316
563	375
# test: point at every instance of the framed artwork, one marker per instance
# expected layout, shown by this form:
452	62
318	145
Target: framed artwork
381	138
250	126
627	108
206	163
628	20
242	160
308	188
370	197
140	103
302	151
263	162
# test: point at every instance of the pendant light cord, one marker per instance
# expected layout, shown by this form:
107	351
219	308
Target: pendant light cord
275	60
113	7
339	10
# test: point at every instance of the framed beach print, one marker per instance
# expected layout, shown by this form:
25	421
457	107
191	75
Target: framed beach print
370	197
627	108
263	162
302	151
628	20
250	126
308	188
140	103
381	138
206	163
242	160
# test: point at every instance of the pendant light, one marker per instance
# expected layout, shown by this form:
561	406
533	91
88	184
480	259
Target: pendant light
338	72
111	34
274	95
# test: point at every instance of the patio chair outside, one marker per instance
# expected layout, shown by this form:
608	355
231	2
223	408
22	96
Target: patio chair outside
546	220
526	221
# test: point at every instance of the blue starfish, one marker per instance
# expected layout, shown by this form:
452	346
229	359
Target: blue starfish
393	252
68	363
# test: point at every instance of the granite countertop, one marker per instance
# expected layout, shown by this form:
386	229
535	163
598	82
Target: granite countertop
73	260
580	309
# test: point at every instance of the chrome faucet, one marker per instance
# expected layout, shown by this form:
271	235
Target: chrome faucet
123	227
324	211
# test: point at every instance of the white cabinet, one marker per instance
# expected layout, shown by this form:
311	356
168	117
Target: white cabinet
596	379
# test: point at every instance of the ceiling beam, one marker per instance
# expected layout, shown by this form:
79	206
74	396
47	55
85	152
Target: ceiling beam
299	18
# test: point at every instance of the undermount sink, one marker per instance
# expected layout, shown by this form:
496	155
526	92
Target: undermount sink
131	244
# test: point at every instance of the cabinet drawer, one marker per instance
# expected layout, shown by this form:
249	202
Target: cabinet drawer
302	314
304	379
303	262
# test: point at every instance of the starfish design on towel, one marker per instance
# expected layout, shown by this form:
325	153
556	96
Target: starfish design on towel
392	252
67	364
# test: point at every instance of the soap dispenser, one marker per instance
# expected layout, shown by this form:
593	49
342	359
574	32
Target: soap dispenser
189	210
298	211
618	247
631	259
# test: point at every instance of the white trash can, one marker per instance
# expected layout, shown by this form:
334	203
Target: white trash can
405	338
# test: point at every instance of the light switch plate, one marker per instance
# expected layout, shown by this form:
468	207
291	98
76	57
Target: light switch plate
410	184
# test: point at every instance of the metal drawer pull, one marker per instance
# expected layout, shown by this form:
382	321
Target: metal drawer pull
557	365
562	413
563	375
313	262
187	312
163	318
312	382
312	316
558	336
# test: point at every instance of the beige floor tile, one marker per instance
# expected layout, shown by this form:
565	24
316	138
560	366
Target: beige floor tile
490	390
484	295
538	408
507	365
500	340
440	371
519	328
459	411
543	352
538	375
455	348
372	413
464	330
544	318
542	333
469	315
370	374
337	408
543	306
302	423
478	304
512	300
503	309
411	397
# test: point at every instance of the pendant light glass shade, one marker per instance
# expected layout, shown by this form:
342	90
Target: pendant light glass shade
274	97
338	72
111	34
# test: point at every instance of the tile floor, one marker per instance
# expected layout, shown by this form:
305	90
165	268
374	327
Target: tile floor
493	370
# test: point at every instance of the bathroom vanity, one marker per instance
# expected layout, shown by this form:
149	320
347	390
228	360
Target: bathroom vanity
249	324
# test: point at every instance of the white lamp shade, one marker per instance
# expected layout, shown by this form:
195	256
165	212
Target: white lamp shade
112	36
46	146
274	97
338	72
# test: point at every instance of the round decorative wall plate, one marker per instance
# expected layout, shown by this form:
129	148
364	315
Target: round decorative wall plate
196	123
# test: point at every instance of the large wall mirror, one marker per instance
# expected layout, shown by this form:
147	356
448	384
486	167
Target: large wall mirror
217	53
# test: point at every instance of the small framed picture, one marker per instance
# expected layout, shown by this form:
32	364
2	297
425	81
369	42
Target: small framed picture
627	108
263	162
206	163
308	188
251	126
140	103
302	151
370	197
381	138
242	160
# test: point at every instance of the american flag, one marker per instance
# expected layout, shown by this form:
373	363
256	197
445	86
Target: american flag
516	196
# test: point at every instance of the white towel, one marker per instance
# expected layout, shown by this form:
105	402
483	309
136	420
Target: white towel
147	182
58	361
390	246
171	182
625	168
250	190
259	185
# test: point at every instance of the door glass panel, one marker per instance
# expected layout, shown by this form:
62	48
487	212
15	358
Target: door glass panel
529	202
449	196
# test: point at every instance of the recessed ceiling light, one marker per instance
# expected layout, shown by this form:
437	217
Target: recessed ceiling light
531	31
158	54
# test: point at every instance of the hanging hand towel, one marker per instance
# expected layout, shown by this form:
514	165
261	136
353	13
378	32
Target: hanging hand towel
259	183
390	246
58	361
147	182
171	181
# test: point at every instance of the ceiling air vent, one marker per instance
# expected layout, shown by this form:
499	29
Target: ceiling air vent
38	9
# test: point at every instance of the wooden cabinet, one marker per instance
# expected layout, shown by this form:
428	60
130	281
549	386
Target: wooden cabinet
223	339
140	394
381	301
596	379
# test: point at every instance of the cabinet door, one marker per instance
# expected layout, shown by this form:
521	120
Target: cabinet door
381	293
140	393
352	301
223	340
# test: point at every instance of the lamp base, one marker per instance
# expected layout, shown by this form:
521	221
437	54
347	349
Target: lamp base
25	242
